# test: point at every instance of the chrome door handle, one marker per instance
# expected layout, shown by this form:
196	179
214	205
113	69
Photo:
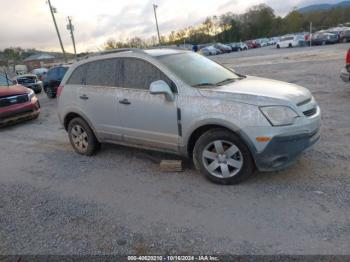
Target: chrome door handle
125	101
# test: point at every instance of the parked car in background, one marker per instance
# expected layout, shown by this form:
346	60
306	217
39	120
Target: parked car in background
30	81
242	46
234	47
345	36
40	73
345	73
209	50
223	48
324	39
17	103
252	44
181	102
21	69
290	41
262	42
53	79
273	40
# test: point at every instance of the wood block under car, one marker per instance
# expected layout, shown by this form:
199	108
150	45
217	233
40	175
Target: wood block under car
171	166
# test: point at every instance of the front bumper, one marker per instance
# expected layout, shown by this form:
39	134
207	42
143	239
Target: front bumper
283	150
345	75
20	112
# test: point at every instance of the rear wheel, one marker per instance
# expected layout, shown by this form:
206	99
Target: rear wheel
290	45
82	137
278	46
222	157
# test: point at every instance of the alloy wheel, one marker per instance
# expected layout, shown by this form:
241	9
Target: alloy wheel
222	159
79	138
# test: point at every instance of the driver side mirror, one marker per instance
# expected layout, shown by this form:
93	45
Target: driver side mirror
161	87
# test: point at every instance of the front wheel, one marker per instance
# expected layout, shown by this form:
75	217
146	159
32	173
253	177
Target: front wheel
223	157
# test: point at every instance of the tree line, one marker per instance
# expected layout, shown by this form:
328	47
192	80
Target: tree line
257	22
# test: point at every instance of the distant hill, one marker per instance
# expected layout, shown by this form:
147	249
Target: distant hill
322	7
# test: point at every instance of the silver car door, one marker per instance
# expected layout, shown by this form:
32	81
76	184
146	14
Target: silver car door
146	119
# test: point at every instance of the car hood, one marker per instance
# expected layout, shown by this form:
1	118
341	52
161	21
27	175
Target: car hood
260	91
12	90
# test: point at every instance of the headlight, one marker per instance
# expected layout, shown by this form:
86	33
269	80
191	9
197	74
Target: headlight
31	95
279	115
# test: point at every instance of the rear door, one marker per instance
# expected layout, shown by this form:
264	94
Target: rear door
147	119
98	97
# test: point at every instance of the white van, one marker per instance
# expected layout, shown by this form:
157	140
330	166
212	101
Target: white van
290	41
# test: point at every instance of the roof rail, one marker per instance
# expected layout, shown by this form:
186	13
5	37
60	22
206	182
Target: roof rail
112	51
119	50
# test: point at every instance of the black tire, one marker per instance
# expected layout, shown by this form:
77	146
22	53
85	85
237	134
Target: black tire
246	169
92	144
50	93
278	46
290	45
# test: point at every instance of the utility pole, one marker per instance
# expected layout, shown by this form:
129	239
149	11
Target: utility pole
310	34
155	15
70	27
53	10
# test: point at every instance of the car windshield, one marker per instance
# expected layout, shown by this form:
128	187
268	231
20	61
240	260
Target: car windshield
4	81
196	70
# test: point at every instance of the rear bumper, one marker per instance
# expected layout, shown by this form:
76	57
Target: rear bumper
283	150
345	75
19	113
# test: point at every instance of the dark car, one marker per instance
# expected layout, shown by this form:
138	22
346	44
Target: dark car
30	81
235	47
324	39
53	79
223	48
345	36
17	103
345	73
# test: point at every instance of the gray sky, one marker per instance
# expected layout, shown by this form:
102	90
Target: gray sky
27	23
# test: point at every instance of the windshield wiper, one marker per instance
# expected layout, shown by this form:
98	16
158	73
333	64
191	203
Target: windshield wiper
204	84
227	80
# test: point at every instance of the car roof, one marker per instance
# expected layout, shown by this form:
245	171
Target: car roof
164	51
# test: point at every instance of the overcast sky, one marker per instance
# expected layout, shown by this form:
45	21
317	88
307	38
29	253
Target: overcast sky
28	23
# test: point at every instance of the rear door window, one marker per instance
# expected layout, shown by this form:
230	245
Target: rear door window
104	73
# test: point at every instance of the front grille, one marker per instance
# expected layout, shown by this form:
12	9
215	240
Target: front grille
310	112
13	100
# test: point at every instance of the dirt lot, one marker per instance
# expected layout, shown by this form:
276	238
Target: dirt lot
53	201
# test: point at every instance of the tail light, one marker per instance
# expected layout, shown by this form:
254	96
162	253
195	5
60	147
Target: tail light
348	58
59	91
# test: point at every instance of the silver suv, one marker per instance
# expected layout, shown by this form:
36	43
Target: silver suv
181	102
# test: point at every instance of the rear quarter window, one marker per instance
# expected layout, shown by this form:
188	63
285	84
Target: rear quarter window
77	76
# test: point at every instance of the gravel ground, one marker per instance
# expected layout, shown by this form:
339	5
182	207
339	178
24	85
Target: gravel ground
53	201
